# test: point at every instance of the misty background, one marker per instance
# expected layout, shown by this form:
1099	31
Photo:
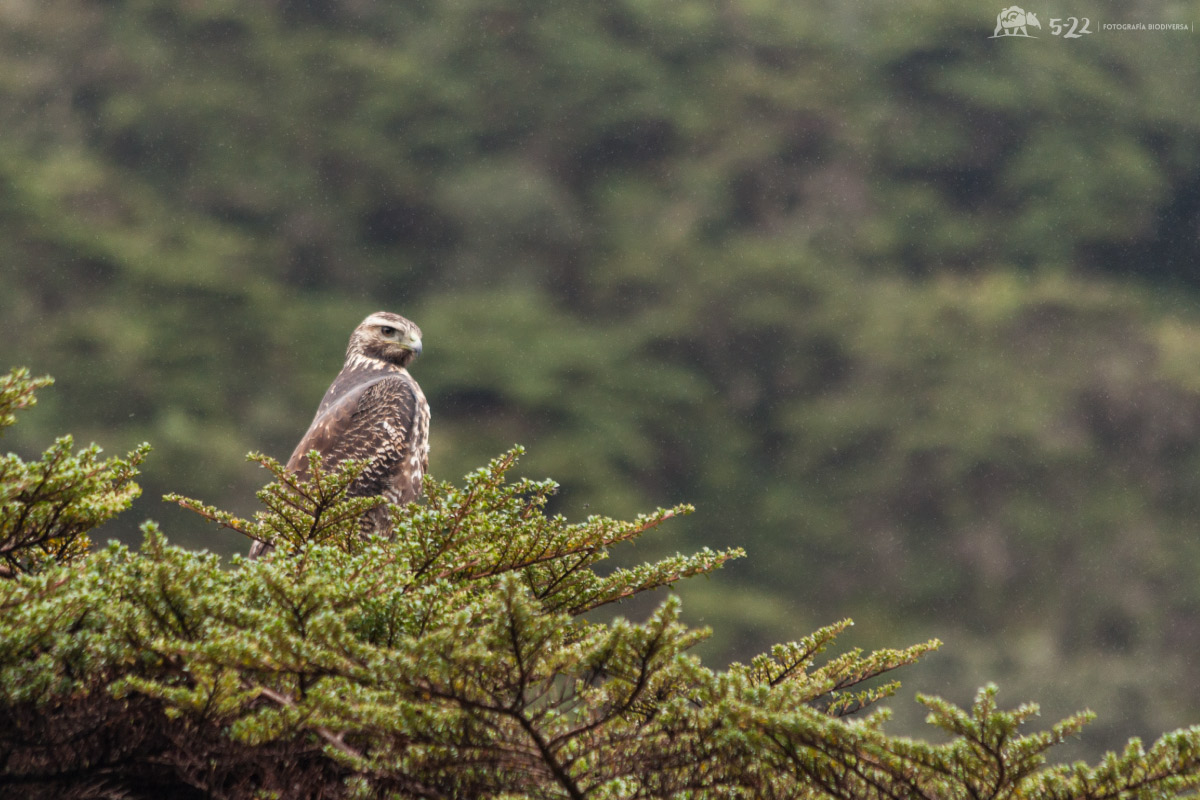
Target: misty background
907	311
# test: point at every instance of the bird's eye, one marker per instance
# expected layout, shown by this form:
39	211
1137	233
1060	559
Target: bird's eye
387	330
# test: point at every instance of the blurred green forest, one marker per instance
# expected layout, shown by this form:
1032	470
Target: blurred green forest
908	312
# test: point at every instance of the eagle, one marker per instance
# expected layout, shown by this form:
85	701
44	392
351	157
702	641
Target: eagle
373	410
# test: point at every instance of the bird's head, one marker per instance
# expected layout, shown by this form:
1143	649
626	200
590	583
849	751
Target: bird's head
387	337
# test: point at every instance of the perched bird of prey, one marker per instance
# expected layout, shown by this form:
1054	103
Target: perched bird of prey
373	410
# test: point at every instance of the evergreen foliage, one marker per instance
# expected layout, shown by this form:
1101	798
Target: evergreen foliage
853	278
47	507
456	659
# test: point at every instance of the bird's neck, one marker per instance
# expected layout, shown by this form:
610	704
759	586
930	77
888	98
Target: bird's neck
358	361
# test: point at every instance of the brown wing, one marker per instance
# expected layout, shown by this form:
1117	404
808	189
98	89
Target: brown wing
375	420
327	429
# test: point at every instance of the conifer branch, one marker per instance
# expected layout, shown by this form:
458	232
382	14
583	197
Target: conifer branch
335	740
451	660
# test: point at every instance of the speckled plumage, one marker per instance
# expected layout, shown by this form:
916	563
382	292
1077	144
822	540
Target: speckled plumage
373	410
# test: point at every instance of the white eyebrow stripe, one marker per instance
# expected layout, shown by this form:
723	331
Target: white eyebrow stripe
383	319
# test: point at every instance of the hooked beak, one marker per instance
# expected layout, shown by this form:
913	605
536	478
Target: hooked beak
413	344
